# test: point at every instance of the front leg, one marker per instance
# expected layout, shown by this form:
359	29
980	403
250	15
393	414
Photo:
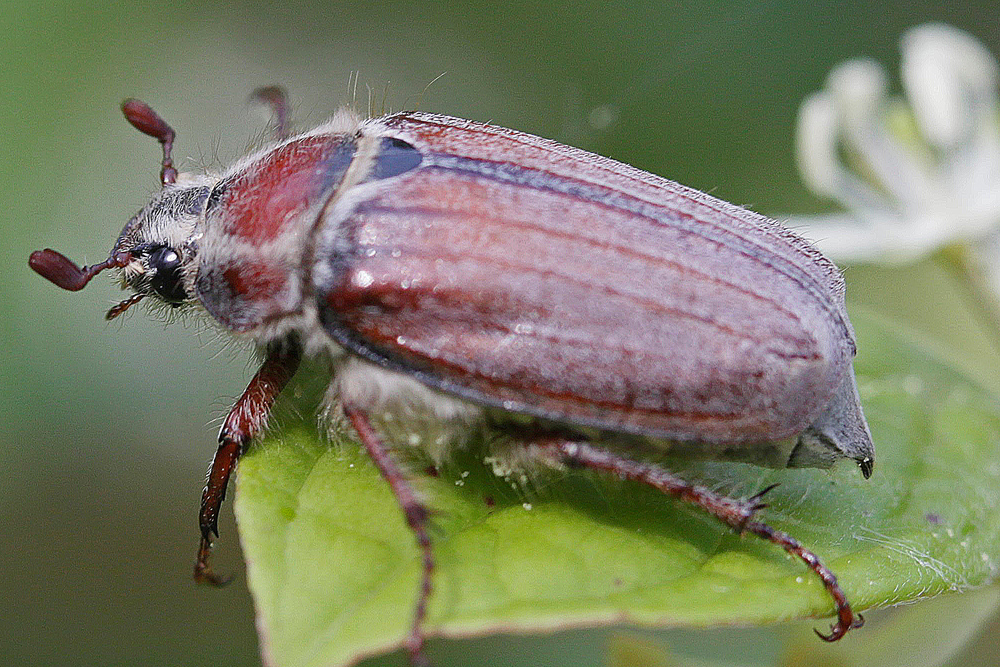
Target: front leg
246	419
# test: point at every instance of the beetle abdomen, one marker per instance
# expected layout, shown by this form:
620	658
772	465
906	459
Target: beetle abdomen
578	289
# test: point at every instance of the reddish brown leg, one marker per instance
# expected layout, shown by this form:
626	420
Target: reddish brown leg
245	420
276	98
735	513
416	516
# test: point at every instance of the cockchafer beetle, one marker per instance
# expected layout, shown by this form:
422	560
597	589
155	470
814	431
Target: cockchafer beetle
476	277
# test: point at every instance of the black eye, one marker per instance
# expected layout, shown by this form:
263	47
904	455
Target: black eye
165	265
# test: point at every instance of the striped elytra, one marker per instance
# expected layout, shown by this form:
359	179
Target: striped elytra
515	271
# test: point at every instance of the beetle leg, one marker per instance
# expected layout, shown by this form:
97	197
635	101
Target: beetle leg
246	419
276	98
735	513
417	517
756	500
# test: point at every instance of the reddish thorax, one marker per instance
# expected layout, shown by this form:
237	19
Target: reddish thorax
272	191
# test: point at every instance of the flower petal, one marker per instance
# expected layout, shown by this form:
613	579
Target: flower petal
842	237
986	257
818	151
950	79
872	236
858	87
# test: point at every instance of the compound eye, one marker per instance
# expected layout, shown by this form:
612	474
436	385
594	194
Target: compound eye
165	265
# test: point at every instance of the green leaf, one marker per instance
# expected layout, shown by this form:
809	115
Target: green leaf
334	569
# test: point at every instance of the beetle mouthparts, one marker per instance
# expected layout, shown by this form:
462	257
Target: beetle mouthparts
60	270
120	308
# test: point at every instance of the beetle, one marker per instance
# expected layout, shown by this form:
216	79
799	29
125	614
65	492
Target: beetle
475	277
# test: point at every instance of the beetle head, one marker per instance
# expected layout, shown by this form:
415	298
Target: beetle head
160	244
156	249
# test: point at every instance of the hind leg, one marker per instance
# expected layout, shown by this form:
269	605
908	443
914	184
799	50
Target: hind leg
738	514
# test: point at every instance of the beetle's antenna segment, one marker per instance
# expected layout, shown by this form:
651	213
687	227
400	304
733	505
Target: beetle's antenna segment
147	121
60	270
246	419
275	97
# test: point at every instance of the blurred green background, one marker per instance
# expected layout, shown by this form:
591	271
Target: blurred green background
107	428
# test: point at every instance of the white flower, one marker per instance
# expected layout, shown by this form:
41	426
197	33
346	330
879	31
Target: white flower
913	177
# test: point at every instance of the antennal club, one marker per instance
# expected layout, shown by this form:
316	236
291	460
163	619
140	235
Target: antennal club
59	269
147	121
